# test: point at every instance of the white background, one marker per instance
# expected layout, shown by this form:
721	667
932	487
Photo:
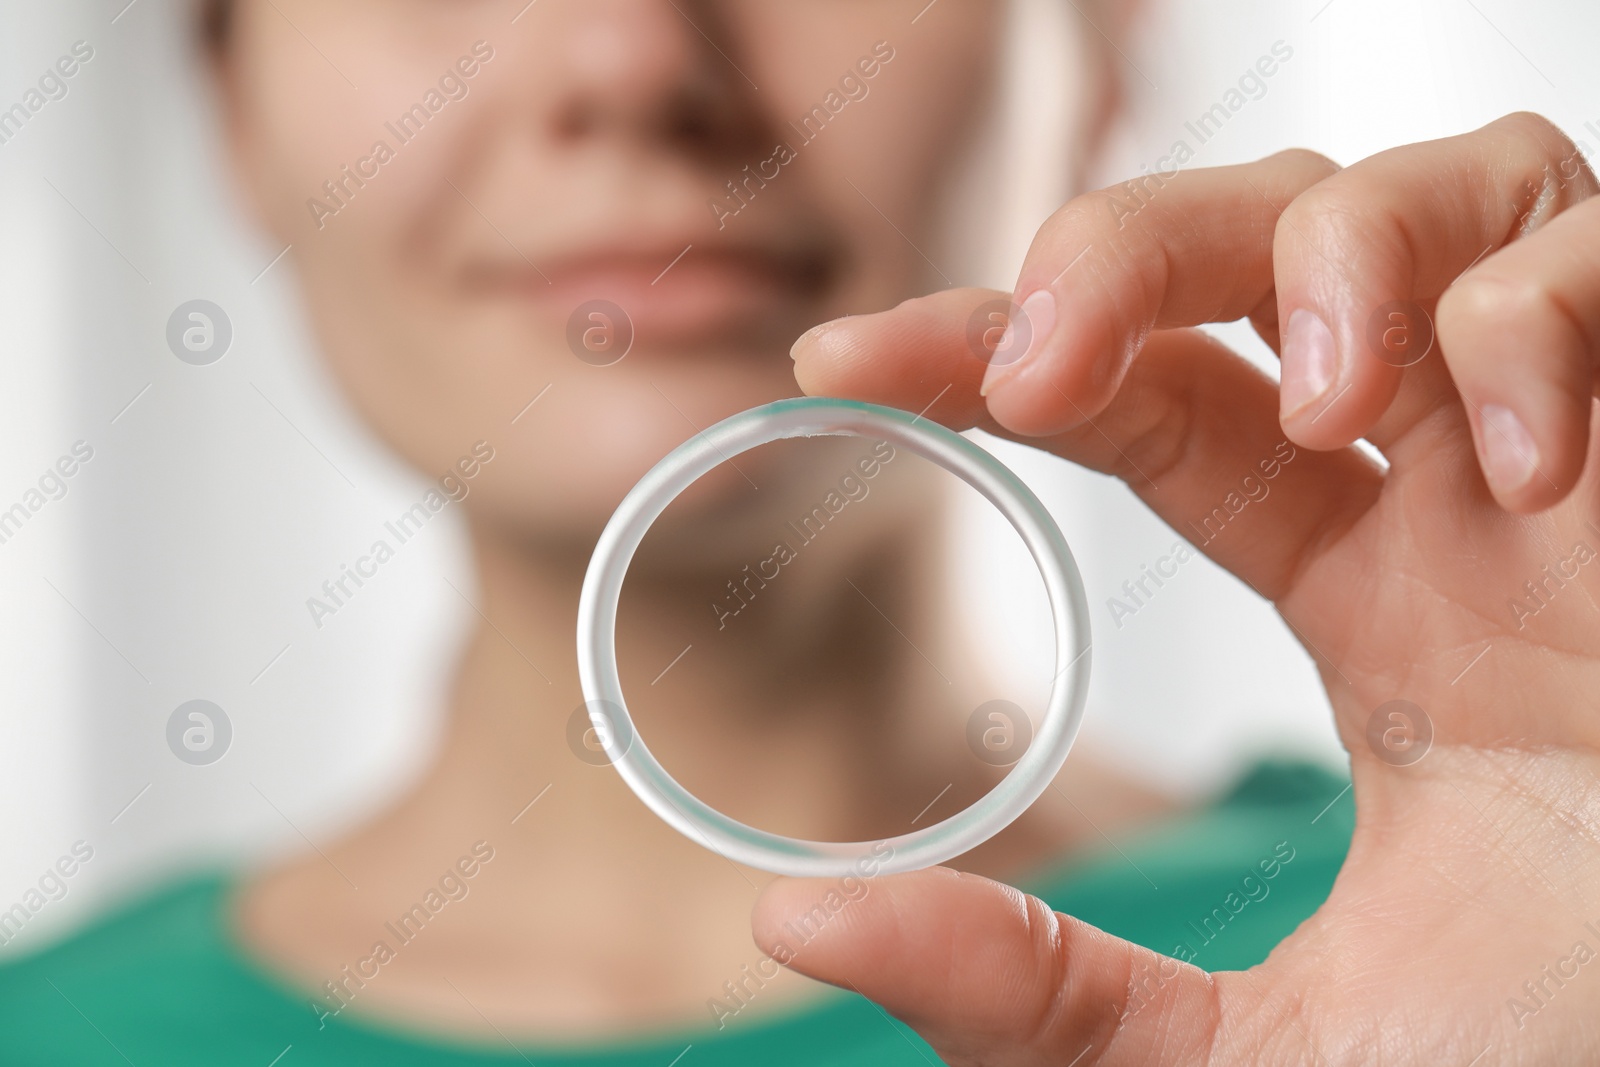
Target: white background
178	564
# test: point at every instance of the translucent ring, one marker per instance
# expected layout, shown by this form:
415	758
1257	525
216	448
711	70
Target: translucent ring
813	417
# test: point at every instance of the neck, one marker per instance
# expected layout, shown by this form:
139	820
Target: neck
813	717
786	721
781	716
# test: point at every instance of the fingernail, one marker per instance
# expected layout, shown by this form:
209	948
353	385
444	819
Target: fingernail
1310	362
1008	337
1510	456
1037	316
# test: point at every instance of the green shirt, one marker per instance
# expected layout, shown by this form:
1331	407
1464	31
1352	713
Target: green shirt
162	982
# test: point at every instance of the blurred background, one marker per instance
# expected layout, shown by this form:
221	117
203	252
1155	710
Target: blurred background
175	563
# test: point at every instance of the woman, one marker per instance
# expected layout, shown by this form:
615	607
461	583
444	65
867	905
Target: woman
517	194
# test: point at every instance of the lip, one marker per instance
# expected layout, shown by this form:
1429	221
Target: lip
675	292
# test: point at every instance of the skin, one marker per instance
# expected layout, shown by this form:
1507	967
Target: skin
577	167
1472	869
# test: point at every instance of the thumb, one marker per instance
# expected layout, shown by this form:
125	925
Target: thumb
989	975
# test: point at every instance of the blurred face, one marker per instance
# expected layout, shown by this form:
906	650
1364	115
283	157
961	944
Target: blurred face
627	209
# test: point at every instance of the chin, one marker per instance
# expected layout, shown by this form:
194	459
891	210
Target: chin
571	459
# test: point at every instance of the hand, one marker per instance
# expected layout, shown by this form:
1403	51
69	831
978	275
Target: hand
1473	869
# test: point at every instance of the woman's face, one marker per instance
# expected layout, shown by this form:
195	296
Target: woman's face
489	200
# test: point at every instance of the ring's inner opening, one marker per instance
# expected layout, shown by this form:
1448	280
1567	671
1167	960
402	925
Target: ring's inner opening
827	638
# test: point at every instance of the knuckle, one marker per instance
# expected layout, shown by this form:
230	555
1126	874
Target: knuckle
1550	166
1063	1015
1314	164
1104	213
1125	251
1051	940
1473	303
1534	130
1342	214
1483	302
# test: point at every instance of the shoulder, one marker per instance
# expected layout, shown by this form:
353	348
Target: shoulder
137	980
176	921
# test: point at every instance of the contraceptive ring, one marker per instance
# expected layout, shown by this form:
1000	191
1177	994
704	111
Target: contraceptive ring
816	417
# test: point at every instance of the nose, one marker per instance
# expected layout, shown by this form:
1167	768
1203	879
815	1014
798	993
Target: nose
643	69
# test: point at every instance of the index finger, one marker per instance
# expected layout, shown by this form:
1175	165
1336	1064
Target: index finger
1192	428
1111	266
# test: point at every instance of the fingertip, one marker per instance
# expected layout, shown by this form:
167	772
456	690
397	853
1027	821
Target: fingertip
1524	473
1310	368
895	356
1508	454
835	929
984	972
1332	389
1530	416
779	902
825	355
1074	363
813	369
1034	410
1028	329
1316	375
806	341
